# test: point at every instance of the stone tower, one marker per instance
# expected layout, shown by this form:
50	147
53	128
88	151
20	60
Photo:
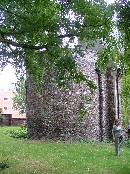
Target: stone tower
75	113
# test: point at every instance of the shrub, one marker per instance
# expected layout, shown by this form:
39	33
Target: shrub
21	132
1	118
3	165
24	125
128	143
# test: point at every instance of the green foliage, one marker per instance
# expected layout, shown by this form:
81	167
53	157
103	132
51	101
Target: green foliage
128	143
1	118
116	50
4	165
82	113
1	110
125	98
123	15
19	100
38	36
33	35
20	132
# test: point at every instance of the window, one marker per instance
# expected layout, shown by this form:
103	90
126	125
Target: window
5	98
5	108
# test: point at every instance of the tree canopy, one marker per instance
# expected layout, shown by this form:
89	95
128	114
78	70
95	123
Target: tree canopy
123	24
19	100
125	98
122	9
38	34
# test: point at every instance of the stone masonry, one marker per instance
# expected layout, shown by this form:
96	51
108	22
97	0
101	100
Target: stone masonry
75	113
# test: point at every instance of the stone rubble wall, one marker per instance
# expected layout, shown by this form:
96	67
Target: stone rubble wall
55	113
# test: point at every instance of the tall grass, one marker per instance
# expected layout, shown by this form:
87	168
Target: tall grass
38	157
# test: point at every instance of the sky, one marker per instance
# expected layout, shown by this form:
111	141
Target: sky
8	77
110	1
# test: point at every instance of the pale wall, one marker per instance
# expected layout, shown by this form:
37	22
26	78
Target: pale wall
9	104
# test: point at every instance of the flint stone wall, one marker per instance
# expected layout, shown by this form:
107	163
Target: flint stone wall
56	113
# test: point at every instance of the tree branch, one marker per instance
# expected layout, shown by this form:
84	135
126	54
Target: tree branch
68	35
26	46
18	33
11	33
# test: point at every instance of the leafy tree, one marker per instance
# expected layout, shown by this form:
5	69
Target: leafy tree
122	8
116	49
33	34
125	98
1	116
123	24
116	52
19	100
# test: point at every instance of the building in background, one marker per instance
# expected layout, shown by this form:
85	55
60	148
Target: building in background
6	103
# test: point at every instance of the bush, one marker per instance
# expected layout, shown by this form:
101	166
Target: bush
3	165
21	132
128	143
24	125
1	118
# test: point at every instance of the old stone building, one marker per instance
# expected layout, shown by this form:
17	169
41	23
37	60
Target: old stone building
77	112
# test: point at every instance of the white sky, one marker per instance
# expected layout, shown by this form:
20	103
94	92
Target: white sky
7	76
110	1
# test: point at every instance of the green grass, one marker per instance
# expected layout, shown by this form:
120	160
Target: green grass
35	157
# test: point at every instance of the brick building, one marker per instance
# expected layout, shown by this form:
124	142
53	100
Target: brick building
6	103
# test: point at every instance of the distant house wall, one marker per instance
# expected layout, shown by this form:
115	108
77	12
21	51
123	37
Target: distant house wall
6	103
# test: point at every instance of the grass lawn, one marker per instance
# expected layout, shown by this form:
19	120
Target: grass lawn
35	157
